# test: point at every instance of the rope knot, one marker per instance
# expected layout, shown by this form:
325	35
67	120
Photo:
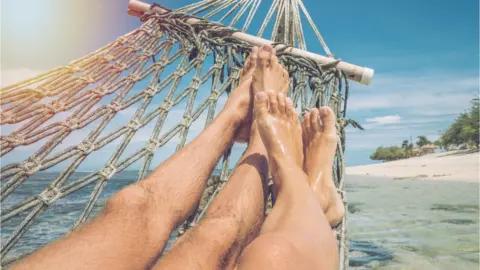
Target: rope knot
70	124
73	69
134	48
151	90
108	57
167	105
145	31
121	41
50	108
87	78
6	117
152	145
108	171
120	66
180	73
196	81
97	92
49	196
148	53
187	121
14	139
86	147
37	92
160	63
30	166
114	107
133	78
214	95
134	125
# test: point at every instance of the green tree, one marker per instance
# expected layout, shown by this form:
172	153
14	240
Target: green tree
422	140
465	129
405	144
388	153
438	143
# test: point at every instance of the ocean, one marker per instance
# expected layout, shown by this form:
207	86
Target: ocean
392	224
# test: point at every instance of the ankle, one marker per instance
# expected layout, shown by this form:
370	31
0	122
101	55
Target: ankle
231	116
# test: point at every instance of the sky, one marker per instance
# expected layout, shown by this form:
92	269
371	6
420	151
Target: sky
425	55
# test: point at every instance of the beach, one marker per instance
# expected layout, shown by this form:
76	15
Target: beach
453	165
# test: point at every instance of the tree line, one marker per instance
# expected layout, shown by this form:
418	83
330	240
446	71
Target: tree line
407	149
462	134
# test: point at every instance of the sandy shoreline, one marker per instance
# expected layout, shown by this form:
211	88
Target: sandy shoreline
453	165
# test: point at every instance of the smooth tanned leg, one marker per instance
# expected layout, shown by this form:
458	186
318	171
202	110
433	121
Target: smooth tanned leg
320	144
296	234
133	229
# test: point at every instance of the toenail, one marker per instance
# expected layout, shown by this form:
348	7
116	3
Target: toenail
260	96
270	91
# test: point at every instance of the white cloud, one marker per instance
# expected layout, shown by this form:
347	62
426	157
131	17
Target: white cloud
430	94
15	75
384	120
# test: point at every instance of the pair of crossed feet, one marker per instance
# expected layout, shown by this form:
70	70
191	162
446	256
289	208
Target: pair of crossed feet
310	145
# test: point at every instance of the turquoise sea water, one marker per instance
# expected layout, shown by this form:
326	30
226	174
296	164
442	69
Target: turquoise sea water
408	224
393	224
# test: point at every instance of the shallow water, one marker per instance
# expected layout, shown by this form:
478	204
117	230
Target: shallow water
408	224
393	224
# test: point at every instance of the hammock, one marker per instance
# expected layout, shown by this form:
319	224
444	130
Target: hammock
174	61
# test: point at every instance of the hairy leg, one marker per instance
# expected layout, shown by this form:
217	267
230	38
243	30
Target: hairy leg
136	223
236	215
233	219
320	144
296	234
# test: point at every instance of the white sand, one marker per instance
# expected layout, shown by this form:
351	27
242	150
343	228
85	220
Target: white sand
453	165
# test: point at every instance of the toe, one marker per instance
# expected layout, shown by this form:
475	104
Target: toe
273	58
289	107
281	104
294	117
272	96
246	66
286	82
328	118
315	120
260	105
304	131
253	57
264	56
306	123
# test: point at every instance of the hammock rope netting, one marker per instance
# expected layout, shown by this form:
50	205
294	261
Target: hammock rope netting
166	64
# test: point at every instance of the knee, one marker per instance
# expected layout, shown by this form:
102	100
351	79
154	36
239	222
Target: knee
133	197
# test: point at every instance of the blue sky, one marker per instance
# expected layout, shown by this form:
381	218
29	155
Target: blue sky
425	55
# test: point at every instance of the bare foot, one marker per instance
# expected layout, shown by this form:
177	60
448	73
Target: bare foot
278	127
269	73
241	98
320	144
